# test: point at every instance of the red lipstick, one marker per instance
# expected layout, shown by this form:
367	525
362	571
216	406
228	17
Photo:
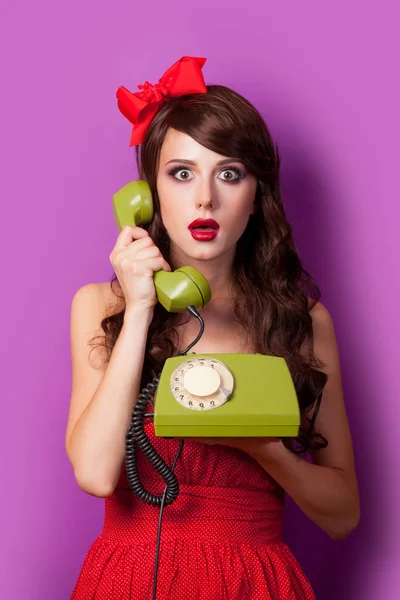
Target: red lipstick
204	230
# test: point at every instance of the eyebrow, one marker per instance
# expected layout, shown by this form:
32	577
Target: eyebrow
224	161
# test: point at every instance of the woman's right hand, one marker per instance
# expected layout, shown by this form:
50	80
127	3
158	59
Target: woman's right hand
134	263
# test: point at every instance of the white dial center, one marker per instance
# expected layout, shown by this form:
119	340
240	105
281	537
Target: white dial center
202	381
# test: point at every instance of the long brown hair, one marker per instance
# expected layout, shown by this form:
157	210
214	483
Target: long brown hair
273	301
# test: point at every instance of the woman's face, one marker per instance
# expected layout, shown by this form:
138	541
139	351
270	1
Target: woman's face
196	183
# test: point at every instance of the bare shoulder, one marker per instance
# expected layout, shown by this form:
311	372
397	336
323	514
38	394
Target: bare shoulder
92	303
322	326
113	302
102	297
317	310
323	331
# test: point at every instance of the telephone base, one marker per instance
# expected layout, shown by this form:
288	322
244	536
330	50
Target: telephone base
263	402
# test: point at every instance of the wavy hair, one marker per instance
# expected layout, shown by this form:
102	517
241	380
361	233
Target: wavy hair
275	293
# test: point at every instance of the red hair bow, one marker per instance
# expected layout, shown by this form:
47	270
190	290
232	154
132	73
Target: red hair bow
184	77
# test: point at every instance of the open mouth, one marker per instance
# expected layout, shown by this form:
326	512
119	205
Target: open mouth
203	234
204	228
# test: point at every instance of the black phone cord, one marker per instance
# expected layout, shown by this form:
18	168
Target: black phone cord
137	436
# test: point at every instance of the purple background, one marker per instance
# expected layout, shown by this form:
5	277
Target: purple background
323	76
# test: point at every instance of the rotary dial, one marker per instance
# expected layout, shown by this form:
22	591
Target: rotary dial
202	383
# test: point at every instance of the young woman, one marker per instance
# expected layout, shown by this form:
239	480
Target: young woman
207	154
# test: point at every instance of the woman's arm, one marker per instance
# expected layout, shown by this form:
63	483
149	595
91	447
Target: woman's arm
102	402
326	490
327	495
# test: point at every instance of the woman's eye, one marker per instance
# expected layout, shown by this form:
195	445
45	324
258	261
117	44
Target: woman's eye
233	174
184	171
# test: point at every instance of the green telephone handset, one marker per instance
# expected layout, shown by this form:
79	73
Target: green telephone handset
227	395
133	205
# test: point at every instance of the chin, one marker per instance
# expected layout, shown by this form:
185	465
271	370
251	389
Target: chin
193	249
203	255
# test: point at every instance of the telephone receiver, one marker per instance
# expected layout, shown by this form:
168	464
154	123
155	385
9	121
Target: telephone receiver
186	286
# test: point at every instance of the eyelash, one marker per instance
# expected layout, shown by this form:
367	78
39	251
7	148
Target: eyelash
235	170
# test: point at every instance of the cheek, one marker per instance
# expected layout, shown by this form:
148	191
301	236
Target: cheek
239	215
175	205
166	199
173	215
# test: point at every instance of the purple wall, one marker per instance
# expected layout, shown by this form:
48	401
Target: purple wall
323	77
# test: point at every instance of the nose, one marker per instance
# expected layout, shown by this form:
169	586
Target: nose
205	198
204	203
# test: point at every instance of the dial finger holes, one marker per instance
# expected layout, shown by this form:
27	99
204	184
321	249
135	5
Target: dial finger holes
202	383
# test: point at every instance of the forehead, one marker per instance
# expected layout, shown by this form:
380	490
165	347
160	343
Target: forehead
180	145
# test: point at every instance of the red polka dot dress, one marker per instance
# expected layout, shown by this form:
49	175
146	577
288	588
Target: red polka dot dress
220	540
